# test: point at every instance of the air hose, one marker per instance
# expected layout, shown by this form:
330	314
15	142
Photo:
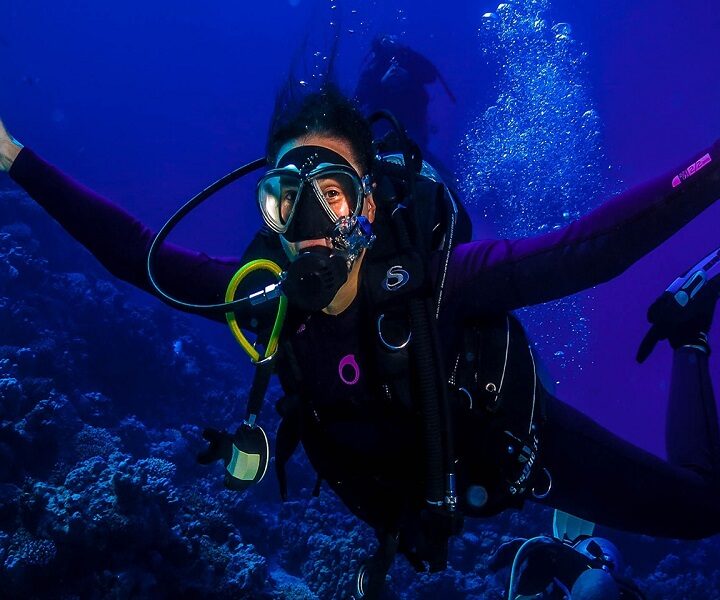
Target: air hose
261	264
172	222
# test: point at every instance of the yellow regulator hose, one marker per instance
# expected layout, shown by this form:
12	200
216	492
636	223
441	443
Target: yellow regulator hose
261	264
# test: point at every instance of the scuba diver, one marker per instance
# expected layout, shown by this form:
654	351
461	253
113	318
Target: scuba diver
394	77
408	381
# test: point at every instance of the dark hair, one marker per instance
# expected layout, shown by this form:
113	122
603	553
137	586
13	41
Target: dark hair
327	112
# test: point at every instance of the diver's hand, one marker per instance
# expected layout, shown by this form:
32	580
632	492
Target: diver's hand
220	447
9	148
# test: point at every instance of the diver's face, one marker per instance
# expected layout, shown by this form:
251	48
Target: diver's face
333	190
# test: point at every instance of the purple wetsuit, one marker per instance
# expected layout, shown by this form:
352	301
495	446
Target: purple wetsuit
596	475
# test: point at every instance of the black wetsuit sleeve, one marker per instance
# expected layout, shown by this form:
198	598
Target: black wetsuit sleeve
494	275
120	241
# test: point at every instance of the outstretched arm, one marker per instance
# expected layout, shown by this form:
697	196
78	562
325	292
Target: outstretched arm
499	275
117	239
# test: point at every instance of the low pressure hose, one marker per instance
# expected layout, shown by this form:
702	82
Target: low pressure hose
172	222
527	547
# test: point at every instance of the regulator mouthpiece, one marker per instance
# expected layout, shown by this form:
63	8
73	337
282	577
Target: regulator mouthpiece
314	277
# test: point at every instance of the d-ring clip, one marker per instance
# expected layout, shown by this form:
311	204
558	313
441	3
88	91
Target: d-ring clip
468	394
544	494
387	344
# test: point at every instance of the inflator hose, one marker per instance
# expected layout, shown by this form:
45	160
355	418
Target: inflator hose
434	406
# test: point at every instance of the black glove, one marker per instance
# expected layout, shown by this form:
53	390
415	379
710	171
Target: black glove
680	325
220	447
683	313
694	329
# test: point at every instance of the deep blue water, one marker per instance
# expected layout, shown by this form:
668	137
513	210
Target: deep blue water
149	102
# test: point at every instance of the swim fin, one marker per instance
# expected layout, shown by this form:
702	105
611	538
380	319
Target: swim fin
684	310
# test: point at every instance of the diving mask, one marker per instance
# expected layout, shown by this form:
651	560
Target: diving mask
315	194
309	192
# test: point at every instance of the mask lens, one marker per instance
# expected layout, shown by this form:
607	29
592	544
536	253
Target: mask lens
277	197
338	191
288	195
285	195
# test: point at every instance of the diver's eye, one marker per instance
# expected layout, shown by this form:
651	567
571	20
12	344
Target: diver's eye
337	201
286	203
333	195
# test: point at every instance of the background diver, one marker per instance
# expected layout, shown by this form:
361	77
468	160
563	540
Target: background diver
395	77
352	390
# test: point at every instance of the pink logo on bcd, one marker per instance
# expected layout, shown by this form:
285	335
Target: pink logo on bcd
349	362
691	170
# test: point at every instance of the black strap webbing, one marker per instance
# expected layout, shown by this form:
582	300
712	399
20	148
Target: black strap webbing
260	383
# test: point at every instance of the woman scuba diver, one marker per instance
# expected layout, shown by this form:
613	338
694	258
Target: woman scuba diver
392	315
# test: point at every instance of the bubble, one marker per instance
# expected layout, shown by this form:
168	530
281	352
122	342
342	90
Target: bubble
562	29
489	28
532	161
